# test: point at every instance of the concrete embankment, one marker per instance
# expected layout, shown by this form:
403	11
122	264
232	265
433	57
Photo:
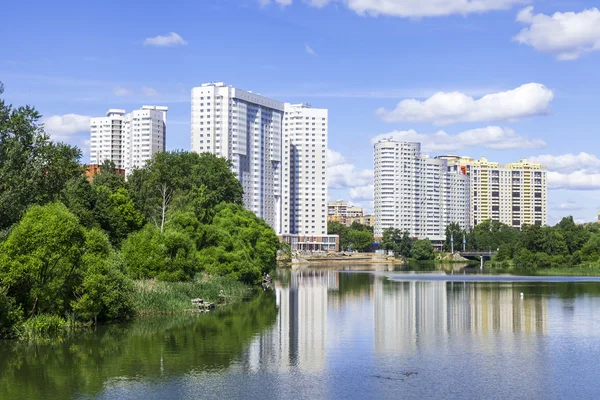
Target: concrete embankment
343	258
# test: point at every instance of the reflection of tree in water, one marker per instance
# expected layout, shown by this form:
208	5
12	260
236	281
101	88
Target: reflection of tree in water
149	348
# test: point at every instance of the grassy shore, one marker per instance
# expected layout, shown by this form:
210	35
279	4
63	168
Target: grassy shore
152	297
578	270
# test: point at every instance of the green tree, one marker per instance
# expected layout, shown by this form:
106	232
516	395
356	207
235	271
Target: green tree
360	240
454	232
398	241
109	177
336	228
105	291
422	250
33	170
116	213
238	244
40	260
187	180
169	255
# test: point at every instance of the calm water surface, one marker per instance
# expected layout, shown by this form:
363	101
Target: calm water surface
336	332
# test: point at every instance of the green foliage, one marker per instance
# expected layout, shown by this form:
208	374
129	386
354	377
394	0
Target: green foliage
116	213
454	231
168	255
105	292
422	250
187	180
397	241
10	314
238	244
40	260
356	237
109	177
33	170
153	297
41	326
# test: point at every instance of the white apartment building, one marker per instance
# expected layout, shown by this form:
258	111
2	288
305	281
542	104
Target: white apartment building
416	193
278	152
515	194
305	170
129	140
245	128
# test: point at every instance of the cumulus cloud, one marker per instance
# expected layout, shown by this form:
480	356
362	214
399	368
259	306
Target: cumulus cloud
168	40
342	174
445	108
578	180
412	8
567	35
282	3
150	92
63	127
362	193
309	50
121	91
491	137
568	162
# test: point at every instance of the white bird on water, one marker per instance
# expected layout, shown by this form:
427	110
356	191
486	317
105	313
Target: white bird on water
521	294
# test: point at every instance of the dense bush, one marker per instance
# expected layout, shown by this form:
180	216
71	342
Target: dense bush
422	250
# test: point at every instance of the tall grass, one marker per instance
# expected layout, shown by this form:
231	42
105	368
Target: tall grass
151	297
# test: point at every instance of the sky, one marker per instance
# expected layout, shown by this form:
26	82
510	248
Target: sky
504	79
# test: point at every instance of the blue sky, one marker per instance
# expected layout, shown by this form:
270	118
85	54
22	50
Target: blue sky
424	64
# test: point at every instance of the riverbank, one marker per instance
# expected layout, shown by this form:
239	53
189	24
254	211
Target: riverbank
579	270
340	258
154	297
148	298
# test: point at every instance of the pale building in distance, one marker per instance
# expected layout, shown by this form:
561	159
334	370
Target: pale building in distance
342	209
279	154
515	194
128	140
416	193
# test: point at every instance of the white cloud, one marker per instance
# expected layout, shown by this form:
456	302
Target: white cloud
282	3
121	91
342	174
150	92
309	50
491	137
171	39
362	193
570	205
568	162
413	8
578	180
62	127
566	35
444	108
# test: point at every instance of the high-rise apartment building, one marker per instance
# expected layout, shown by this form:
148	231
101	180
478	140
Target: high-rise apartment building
305	170
515	194
278	152
416	193
128	140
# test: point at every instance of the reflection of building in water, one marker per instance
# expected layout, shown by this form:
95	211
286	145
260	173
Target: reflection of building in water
411	314
300	334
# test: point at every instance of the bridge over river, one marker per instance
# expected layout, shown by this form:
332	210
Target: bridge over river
477	255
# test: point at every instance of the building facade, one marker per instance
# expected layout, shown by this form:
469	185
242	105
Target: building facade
278	152
416	193
515	194
128	140
342	209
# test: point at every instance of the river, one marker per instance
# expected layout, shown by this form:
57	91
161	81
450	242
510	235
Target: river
338	332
